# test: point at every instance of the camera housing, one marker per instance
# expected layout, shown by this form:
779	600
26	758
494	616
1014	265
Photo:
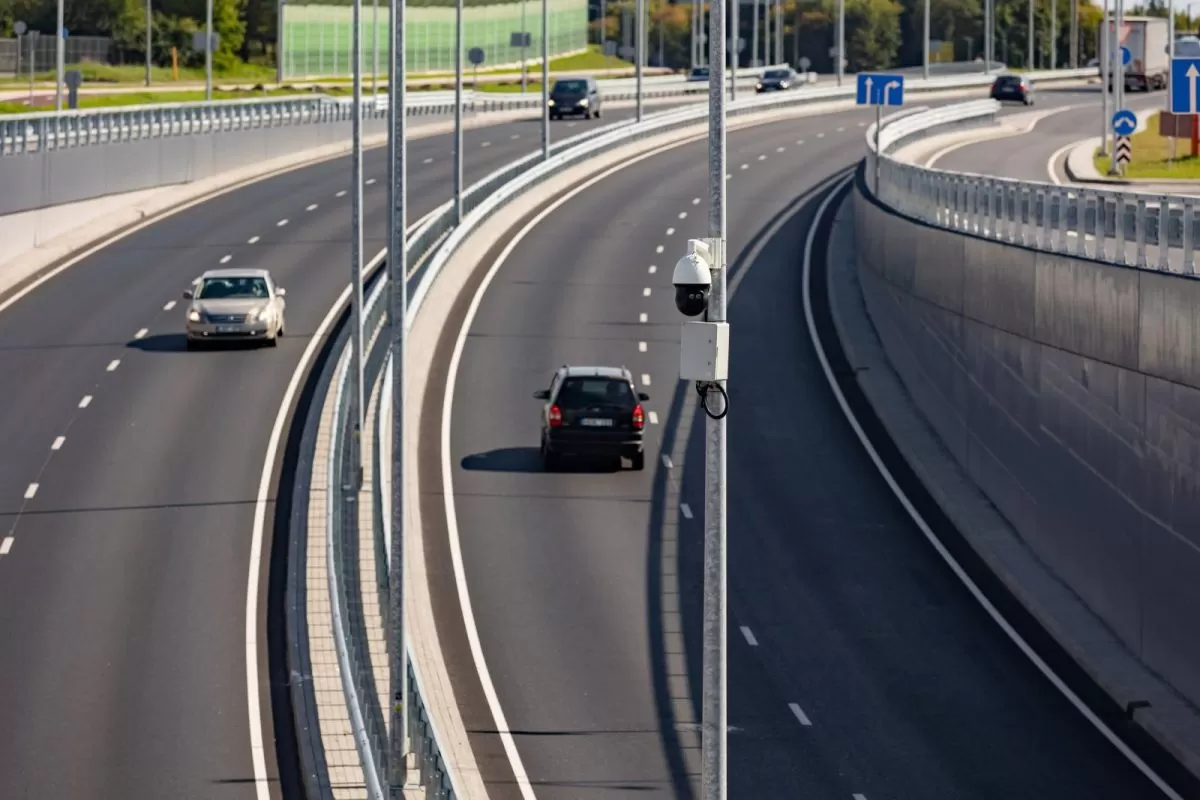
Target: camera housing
693	285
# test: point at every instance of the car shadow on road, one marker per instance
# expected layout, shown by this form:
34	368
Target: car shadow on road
529	459
177	343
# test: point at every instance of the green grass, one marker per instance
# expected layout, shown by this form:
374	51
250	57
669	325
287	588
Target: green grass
1151	157
146	98
136	75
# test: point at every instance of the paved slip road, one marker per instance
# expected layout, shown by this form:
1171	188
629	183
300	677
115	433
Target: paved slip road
124	570
586	584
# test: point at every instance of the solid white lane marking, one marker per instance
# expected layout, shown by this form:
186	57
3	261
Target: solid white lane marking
645	379
762	158
695	201
653	418
687	511
1054	157
370	181
170	304
641	347
281	223
252	240
658	249
313	207
6	546
31	491
749	634
58	443
112	365
683	215
800	715
225	259
646	292
141	334
666	459
427	161
653	268
643	317
670	231
342	193
930	536
485	144
86	401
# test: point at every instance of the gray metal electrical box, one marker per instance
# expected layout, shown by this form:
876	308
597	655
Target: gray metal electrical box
704	351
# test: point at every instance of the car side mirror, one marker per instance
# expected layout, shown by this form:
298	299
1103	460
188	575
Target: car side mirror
280	291
542	394
187	295
643	397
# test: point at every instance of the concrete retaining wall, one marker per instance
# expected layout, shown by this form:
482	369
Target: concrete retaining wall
1069	391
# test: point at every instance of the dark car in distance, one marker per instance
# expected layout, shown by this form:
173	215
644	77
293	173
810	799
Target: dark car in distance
775	80
1013	87
575	96
592	411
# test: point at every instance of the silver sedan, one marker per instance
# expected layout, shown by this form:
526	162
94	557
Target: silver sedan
235	304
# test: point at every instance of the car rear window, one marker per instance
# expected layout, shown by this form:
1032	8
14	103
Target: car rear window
775	73
570	86
1008	81
583	392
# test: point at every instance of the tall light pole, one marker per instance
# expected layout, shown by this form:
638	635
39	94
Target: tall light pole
735	39
375	49
524	71
1118	79
1105	76
458	104
1029	36
356	236
925	40
639	30
208	42
60	45
1053	34
546	80
397	266
1074	52
989	35
149	40
841	40
754	36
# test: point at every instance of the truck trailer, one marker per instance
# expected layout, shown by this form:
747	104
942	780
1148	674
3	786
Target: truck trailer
1147	39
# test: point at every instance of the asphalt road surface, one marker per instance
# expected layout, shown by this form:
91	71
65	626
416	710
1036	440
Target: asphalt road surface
858	664
129	474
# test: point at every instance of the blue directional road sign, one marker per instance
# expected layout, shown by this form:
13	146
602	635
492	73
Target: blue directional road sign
1126	56
1124	122
1185	79
880	89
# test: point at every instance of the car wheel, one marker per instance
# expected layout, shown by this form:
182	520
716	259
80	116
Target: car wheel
281	327
597	113
639	461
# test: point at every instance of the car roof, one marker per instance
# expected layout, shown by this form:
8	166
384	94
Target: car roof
596	372
235	273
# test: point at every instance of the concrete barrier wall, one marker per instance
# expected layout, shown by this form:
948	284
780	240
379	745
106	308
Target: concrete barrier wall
1069	390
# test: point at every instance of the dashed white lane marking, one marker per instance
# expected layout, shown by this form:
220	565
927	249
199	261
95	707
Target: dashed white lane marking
313	207
646	292
31	491
856	795
670	231
799	141
486	144
645	379
370	181
225	259
653	418
687	511
643	317
427	161
58	443
658	249
6	546
641	347
252	240
695	201
839	130
820	136
745	166
572	124
515	136
800	715
861	125
653	268
683	215
749	634
281	223
762	157
141	334
666	459
728	175
86	401
170	304
112	365
780	149
342	193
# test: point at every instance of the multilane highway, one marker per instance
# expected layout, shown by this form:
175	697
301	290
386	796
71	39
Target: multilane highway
859	666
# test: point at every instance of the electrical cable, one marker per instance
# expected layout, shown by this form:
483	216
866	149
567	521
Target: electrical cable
704	389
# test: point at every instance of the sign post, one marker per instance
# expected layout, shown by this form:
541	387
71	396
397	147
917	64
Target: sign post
879	89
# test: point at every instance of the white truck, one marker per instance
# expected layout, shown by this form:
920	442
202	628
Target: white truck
1147	39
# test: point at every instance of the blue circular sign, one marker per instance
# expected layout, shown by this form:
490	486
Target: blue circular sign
1124	122
1126	56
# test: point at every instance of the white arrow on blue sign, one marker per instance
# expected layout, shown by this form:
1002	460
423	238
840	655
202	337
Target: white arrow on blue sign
879	89
1124	122
1185	73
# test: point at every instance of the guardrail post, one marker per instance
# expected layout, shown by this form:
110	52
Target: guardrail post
1164	233
1189	253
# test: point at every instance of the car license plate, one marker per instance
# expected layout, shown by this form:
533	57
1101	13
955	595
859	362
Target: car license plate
592	422
228	329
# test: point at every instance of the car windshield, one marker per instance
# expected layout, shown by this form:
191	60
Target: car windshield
230	288
775	74
579	393
573	87
1008	80
700	72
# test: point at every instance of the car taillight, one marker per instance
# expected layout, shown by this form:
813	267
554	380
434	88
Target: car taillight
555	417
639	419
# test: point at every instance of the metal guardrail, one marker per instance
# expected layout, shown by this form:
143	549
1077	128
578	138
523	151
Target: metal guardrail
430	248
1118	226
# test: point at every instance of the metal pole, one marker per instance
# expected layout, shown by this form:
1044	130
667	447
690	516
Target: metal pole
639	29
458	104
714	720
925	39
59	56
754	36
375	50
397	265
841	39
546	80
1105	73
734	50
989	35
1074	34
356	238
208	37
1119	83
1029	36
1053	34
149	40
524	76
778	31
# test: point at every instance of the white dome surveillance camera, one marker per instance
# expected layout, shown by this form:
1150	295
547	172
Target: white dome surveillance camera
693	283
